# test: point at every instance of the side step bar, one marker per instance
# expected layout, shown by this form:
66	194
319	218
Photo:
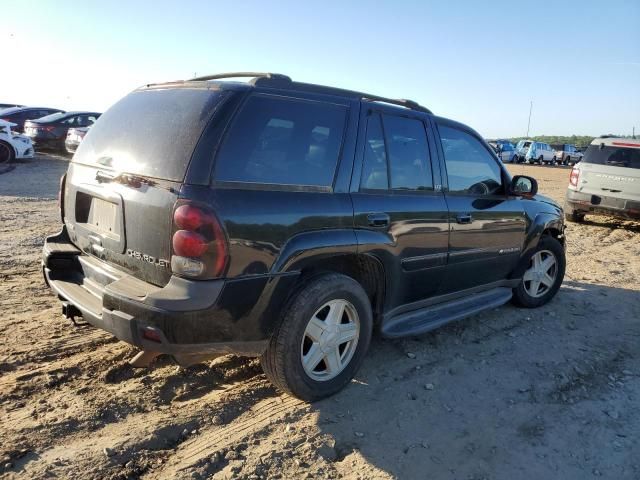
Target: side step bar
420	321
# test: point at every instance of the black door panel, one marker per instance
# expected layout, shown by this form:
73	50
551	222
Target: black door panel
487	227
399	216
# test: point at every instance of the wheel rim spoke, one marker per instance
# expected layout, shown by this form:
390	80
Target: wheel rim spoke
333	361
347	332
315	329
547	280
528	275
313	357
535	286
547	264
335	313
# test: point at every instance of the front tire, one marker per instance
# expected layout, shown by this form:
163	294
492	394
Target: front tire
543	276
322	339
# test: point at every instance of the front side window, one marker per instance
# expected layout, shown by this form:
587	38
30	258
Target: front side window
283	141
470	167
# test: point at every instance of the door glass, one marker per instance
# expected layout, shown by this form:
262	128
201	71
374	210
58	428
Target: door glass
283	141
409	162
470	167
374	171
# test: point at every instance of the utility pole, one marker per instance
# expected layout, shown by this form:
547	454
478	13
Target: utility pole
529	122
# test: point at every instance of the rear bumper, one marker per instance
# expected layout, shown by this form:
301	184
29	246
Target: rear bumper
185	316
588	203
47	142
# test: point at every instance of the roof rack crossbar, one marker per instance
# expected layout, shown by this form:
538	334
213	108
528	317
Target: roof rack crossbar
219	76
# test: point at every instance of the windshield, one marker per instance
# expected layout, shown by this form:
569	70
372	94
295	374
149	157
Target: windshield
613	156
150	132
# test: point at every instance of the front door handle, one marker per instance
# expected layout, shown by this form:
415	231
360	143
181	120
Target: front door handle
378	219
464	218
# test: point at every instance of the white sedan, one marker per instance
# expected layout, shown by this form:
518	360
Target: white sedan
13	145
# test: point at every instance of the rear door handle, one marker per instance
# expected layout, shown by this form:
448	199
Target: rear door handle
464	218
378	219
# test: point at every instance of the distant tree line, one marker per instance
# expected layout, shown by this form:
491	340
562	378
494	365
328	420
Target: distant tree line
580	141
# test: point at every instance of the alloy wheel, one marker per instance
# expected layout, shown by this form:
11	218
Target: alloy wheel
541	274
330	340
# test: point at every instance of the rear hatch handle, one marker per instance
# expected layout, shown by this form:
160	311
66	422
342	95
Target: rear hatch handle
123	179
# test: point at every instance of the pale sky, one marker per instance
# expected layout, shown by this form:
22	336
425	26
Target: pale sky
477	62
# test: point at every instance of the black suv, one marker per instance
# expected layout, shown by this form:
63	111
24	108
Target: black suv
288	221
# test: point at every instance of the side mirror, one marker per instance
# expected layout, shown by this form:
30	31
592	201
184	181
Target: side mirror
524	186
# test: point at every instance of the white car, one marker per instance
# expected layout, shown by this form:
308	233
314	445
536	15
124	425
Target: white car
534	152
606	180
13	145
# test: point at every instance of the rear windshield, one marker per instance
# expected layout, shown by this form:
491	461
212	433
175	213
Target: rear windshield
150	132
627	157
52	118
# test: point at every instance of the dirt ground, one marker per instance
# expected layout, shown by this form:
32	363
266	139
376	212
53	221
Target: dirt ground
526	394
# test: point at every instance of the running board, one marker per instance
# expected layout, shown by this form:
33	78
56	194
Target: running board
420	321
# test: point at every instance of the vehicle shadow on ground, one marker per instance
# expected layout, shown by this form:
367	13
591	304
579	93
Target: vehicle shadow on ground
613	223
505	394
32	178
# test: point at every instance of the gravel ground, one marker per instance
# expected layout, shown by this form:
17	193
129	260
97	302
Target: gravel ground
527	394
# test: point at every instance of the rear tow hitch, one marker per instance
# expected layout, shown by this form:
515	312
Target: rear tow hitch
71	312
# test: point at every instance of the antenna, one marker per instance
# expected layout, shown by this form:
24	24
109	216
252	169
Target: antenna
529	122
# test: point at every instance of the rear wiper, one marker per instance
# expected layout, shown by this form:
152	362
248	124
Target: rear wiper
124	179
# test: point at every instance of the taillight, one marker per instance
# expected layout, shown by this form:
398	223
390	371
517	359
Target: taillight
575	175
199	243
63	181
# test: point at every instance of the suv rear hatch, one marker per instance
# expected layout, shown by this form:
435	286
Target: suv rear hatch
126	176
611	170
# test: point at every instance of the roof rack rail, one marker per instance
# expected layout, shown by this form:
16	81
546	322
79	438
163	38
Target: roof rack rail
255	75
410	104
277	80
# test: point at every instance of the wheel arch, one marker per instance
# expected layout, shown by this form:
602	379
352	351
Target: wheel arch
543	224
364	268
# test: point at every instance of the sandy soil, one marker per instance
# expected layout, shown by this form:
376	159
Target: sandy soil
547	393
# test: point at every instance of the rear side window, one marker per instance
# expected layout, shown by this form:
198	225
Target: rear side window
614	156
150	132
471	169
396	155
374	172
283	141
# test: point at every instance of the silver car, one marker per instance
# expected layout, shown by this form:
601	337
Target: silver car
606	181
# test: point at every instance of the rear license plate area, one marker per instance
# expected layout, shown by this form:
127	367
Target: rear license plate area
98	215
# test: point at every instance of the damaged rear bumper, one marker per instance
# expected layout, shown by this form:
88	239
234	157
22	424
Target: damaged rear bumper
183	318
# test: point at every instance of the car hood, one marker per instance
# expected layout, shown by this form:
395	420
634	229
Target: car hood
4	123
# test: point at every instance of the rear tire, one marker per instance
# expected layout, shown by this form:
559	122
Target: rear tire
544	274
540	159
298	341
574	217
7	154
